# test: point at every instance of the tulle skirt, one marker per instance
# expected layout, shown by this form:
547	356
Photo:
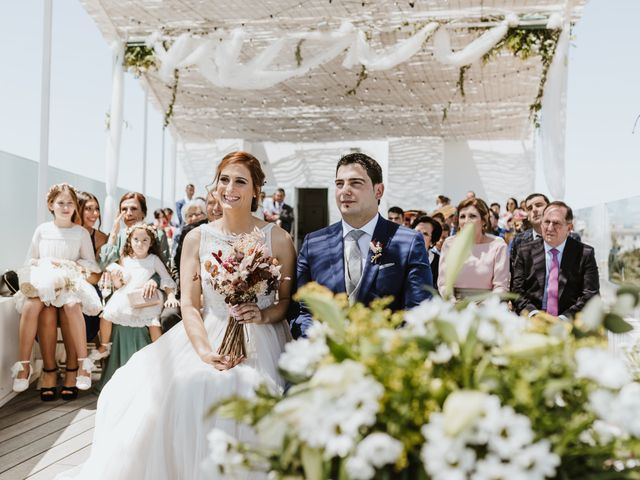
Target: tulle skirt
152	418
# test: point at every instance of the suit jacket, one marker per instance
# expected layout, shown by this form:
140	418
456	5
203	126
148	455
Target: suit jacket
520	239
578	279
402	270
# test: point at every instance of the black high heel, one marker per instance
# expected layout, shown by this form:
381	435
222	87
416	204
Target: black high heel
49	394
69	393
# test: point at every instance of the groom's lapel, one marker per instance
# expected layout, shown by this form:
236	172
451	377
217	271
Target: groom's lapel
381	234
335	251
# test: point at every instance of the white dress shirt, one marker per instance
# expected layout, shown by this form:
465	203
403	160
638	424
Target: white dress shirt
364	240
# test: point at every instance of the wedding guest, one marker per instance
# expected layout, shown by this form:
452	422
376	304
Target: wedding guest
438	217
54	275
138	263
349	255
446	230
471	195
196	214
442	201
555	273
396	215
487	268
189	191
168	213
151	420
495	207
275	210
431	231
494	220
535	204
512	204
128	340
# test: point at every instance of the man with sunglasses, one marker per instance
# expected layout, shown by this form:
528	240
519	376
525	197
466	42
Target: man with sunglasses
555	273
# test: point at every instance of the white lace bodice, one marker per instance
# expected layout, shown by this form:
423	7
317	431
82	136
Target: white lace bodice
212	239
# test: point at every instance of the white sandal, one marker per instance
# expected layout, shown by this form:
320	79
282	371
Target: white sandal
83	382
20	384
96	354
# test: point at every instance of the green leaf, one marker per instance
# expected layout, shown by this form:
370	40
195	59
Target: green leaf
311	462
323	307
457	255
339	351
447	331
616	324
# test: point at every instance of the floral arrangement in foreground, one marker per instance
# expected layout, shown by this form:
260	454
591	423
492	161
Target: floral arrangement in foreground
444	392
246	273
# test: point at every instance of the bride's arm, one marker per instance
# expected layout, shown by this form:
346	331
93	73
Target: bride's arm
191	291
282	248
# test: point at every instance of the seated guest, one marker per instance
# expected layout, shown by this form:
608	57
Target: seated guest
494	220
431	231
487	268
535	205
194	215
396	215
495	207
555	273
275	210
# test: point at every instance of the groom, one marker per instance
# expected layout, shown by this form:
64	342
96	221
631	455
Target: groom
364	255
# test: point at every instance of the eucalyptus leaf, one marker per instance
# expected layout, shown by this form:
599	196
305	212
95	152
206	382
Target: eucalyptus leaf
616	324
323	307
457	255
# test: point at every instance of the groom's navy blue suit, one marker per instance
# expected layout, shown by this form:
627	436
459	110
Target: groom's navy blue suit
402	270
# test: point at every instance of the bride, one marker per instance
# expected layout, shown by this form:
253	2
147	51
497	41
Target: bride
151	421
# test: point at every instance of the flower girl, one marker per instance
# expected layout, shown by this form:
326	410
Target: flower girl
128	306
59	259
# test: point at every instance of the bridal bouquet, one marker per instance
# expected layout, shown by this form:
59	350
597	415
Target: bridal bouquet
243	275
461	391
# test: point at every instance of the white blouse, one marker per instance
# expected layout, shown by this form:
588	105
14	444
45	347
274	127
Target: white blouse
63	243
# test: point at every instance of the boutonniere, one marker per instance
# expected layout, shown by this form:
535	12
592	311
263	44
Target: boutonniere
376	248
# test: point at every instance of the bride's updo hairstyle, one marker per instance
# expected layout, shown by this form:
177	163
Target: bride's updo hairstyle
254	167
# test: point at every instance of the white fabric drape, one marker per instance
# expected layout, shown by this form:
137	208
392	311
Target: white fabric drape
476	49
551	144
114	134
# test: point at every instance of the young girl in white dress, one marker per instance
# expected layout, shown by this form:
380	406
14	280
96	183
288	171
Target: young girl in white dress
139	262
59	259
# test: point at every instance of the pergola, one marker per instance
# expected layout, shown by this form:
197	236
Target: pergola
443	88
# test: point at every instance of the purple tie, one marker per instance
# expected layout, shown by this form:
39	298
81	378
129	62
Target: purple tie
552	284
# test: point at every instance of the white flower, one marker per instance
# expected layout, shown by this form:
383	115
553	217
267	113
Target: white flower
359	469
537	460
593	313
625	304
462	409
492	468
300	358
529	344
329	415
509	432
602	366
379	449
607	432
420	316
223	454
442	354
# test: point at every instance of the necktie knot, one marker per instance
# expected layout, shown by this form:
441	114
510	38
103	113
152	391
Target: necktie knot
554	252
355	235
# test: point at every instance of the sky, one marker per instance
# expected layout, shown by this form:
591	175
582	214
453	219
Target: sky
603	100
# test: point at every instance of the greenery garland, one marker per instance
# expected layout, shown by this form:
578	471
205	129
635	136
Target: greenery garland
362	76
174	91
524	43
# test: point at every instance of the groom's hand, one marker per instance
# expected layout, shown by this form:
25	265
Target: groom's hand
221	362
248	313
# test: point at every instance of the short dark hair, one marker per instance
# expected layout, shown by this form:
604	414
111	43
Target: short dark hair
437	228
568	217
190	185
495	203
167	210
158	212
281	190
534	195
397	210
373	169
444	199
438	215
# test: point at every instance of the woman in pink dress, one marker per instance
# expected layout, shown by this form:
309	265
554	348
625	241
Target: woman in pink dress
487	268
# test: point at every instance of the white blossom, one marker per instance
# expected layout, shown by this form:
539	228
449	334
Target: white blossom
379	449
359	469
301	358
223	453
442	354
602	366
621	410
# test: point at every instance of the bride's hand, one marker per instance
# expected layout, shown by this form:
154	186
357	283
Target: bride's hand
248	313
221	362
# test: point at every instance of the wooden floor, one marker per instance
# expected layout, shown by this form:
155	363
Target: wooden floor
41	439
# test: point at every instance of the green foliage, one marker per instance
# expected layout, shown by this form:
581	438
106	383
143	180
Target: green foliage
139	58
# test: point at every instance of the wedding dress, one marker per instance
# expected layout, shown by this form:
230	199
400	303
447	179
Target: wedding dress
152	419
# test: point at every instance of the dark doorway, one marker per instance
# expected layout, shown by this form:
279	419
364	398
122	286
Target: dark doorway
312	211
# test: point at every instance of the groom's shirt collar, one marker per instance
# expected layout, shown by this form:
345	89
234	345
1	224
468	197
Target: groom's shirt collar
368	228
